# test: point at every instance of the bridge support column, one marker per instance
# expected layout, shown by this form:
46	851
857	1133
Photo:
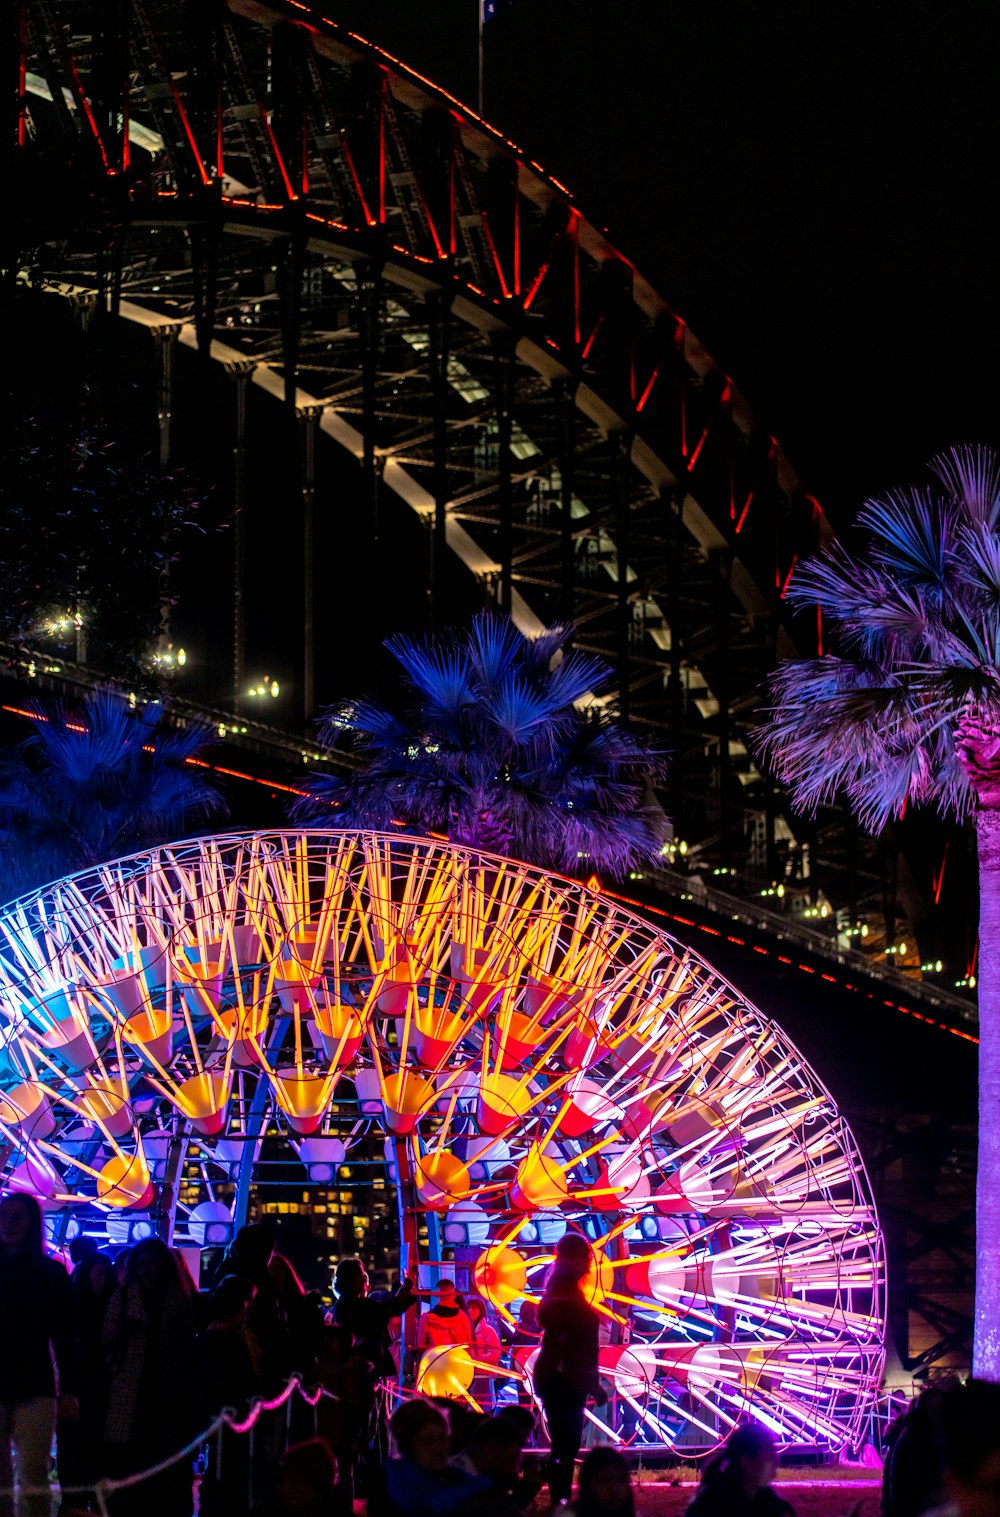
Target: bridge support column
309	418
566	430
621	443
503	349
240	373
439	333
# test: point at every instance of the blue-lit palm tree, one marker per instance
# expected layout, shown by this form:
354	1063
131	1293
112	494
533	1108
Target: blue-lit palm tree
501	745
909	714
93	784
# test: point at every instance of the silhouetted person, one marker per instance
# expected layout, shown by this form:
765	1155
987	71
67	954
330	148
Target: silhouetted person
155	1384
913	1477
38	1366
306	1484
494	1448
419	1481
303	1318
736	1482
605	1485
566	1370
367	1318
969	1421
80	1442
232	1375
231	1354
250	1256
342	1416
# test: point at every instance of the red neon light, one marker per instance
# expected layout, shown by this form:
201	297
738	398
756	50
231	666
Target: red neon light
533	288
381	148
649	386
575	234
493	254
788	576
701	443
649	909
937	880
743	514
590	340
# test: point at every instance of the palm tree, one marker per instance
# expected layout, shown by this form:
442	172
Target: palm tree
89	786
909	714
501	746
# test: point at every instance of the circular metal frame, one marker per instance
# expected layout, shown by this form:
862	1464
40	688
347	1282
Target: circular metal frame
533	1059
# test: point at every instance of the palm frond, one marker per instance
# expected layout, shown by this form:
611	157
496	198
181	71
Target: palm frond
980	563
497	749
912	539
493	645
971	475
440	676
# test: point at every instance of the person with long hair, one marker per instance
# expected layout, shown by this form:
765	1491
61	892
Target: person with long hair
737	1481
78	1448
566	1370
38	1364
605	1485
155	1401
485	1349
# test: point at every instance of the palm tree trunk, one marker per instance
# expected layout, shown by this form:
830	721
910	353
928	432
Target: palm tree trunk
986	1343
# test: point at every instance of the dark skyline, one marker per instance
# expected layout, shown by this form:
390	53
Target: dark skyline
809	187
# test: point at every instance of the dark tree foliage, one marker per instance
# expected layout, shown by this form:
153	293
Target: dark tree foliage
90	785
89	530
501	746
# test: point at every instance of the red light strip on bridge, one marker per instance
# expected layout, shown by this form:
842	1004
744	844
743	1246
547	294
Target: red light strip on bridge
714	932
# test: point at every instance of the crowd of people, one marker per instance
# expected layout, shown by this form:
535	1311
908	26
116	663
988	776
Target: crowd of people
123	1363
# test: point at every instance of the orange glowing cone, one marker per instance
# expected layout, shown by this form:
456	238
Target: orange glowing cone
124	1181
106	1105
152	1033
442	1181
303	1097
502	1100
501	1275
203	1100
341	1031
27	1106
540	1184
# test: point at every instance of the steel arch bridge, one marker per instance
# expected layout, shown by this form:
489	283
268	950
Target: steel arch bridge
312	218
524	1056
312	215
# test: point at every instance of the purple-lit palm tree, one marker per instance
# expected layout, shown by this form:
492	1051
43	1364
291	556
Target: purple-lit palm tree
501	746
909	713
92	784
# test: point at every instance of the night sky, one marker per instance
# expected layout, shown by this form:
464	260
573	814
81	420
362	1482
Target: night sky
812	187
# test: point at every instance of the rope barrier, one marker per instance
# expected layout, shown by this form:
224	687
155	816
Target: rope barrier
228	1418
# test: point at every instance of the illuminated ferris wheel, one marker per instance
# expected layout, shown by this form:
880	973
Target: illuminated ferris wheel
529	1057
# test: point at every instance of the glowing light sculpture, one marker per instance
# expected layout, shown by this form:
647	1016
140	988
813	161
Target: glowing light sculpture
535	1059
